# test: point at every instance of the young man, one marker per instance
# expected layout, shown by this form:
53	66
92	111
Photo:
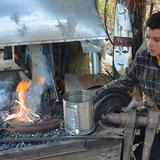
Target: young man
144	71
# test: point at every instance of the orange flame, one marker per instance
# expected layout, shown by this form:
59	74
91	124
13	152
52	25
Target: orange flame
21	89
23	113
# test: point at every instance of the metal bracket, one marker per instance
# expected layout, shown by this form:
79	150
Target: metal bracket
129	134
128	120
153	122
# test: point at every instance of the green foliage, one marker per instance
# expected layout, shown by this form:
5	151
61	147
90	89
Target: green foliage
107	13
101	5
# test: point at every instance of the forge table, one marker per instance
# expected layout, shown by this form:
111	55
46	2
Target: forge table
80	149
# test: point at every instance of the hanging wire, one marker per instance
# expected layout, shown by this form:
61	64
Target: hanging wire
151	8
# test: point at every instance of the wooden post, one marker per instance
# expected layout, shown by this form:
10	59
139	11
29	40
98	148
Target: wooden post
138	18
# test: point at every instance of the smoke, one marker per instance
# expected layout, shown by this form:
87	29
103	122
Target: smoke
40	76
6	90
41	79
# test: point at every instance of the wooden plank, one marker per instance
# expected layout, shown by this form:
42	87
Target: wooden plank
108	149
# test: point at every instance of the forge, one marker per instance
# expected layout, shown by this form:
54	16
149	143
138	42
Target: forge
36	40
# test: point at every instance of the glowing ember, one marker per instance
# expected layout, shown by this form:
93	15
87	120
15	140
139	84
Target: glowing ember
40	80
16	56
23	113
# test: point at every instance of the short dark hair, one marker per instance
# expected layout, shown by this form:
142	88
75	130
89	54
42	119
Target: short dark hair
153	21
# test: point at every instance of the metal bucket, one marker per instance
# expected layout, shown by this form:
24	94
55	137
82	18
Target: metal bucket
78	112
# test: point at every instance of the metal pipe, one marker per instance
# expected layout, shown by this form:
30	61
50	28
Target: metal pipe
121	118
96	61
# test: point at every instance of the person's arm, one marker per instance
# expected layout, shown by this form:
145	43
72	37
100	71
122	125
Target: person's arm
115	95
126	83
129	80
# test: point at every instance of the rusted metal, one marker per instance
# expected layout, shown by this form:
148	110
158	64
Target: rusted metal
44	126
89	81
120	118
109	149
123	41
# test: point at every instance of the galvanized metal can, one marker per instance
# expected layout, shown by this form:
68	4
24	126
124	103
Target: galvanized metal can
78	112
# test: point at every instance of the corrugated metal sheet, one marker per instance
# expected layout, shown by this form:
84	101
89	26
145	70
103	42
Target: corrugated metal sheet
43	21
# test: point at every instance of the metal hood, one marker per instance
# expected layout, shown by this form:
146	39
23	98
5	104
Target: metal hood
48	21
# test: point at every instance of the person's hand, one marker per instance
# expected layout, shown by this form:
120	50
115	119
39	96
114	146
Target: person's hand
99	93
100	90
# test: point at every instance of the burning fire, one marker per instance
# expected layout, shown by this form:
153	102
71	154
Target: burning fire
21	89
23	113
